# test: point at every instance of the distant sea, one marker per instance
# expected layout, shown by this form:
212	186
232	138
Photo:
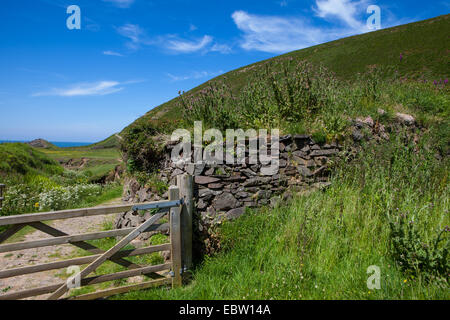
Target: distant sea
61	144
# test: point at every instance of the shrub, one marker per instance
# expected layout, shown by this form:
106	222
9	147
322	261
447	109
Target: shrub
214	105
417	256
141	151
64	197
152	181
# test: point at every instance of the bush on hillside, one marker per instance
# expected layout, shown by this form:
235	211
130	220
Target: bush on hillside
141	151
283	92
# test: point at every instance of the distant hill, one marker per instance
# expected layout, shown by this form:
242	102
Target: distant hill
423	46
110	142
41	143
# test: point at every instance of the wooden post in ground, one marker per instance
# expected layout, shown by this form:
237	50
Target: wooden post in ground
2	188
186	184
175	237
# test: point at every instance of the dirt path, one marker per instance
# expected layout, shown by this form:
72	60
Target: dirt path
47	254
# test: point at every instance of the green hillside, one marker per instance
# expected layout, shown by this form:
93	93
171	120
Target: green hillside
423	45
110	142
20	158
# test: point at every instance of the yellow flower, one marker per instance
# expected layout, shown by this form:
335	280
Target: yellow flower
36	205
404	281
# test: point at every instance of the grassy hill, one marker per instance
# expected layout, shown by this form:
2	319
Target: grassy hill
423	46
110	142
20	158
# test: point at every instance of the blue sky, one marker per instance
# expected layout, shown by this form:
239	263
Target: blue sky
132	55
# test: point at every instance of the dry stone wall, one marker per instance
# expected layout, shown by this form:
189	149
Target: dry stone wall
223	191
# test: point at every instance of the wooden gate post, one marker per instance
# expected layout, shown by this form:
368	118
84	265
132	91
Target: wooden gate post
175	237
2	188
186	184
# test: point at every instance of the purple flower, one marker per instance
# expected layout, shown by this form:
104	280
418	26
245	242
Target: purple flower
446	81
435	82
401	56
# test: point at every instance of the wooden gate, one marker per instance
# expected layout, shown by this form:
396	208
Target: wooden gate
179	218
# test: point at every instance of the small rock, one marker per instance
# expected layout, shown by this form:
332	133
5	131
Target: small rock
235	213
405	119
269	170
357	135
368	121
208	194
176	172
320	161
327	152
166	255
205	180
304	171
202	204
242	194
215	185
263	194
275	201
195	169
225	201
321	185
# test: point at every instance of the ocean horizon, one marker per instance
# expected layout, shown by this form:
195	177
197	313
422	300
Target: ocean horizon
60	144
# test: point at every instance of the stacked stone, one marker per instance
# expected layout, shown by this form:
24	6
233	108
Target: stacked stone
223	191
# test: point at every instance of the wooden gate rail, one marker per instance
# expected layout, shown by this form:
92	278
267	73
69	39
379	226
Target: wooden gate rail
174	206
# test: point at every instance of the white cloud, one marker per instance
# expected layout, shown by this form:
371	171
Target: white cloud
112	53
345	10
120	3
192	27
99	88
204	45
137	37
277	34
134	33
222	48
194	75
186	46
